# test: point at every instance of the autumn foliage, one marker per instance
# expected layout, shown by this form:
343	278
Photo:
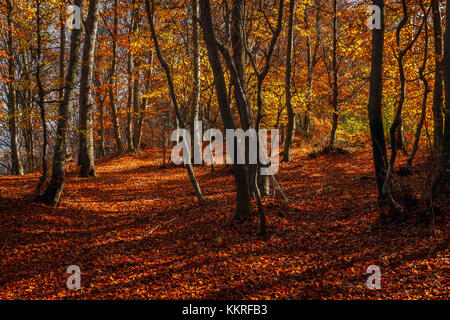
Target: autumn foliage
87	116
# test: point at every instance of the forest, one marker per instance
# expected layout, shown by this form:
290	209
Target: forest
114	116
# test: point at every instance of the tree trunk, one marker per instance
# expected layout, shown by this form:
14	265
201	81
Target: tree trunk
375	102
290	132
26	102
129	129
139	120
438	88
396	130
426	91
16	164
240	172
62	53
86	154
137	105
260	183
150	9
116	124
41	98
101	117
196	67
140	104
311	62
335	97
237	42
53	192
446	68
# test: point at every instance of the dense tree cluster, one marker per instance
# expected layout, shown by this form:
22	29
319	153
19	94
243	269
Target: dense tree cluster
138	69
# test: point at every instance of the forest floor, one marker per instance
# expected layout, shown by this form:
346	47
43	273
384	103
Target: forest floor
136	231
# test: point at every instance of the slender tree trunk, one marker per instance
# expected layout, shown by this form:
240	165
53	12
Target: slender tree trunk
140	104
396	127
240	172
438	85
16	163
137	105
62	53
261	185
446	68
150	9
375	102
27	103
335	97
129	129
29	143
53	192
196	67
311	61
116	124
237	42
102	131
139	120
426	91
41	98
290	132
101	109
86	154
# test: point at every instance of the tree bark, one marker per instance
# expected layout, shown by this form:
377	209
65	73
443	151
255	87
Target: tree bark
101	108
116	124
446	68
196	92
150	9
53	192
41	98
129	129
139	120
438	86
396	134
137	106
26	102
375	102
335	94
426	91
16	163
240	172
311	62
237	42
290	132
86	154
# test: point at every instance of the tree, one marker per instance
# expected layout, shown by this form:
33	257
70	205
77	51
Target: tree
438	90
396	137
16	167
287	155
426	91
53	192
150	9
112	102
375	102
446	68
86	155
240	172
41	95
334	71
196	90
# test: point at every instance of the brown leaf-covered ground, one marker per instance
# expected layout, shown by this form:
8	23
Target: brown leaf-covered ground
136	231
